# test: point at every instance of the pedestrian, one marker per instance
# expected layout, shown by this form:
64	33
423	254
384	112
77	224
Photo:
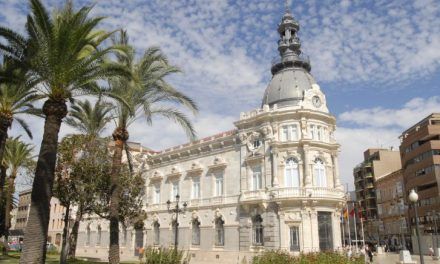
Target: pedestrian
431	251
370	254
141	251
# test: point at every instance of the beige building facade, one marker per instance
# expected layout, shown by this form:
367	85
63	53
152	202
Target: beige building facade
270	183
391	210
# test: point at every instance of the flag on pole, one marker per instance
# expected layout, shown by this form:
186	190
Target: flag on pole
352	212
346	213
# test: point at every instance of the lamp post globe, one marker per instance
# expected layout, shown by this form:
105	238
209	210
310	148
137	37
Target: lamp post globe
413	196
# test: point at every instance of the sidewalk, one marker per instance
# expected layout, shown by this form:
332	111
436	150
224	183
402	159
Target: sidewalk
392	258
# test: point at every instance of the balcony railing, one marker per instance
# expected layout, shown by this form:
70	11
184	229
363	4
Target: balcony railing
198	202
254	195
313	192
302	57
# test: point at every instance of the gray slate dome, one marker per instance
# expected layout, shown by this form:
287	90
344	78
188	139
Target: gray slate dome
291	71
287	87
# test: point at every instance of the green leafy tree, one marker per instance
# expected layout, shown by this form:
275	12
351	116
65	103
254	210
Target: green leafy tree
62	58
146	94
17	155
89	119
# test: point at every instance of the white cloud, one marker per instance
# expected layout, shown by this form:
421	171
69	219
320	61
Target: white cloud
380	117
377	128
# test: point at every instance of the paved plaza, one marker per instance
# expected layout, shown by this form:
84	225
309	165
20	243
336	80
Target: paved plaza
393	258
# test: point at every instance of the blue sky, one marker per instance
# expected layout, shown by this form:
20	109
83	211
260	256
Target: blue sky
377	61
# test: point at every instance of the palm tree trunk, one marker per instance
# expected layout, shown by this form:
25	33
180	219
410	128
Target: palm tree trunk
113	256
65	245
73	238
2	201
3	137
5	123
8	205
34	246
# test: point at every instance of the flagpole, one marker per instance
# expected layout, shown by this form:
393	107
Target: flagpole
363	236
349	228
355	228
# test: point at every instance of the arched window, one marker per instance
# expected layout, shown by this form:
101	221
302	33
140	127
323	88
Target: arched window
196	232
156	233
319	173
88	235
291	173
257	230
219	232
98	239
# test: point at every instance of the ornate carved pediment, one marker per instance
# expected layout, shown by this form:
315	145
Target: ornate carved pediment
174	173
156	176
292	217
267	132
219	162
154	219
218	215
195	169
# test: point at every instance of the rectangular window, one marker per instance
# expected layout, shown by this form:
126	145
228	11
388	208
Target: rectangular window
294	238
175	190
156	198
319	133
256	178
196	188
289	133
218	184
313	131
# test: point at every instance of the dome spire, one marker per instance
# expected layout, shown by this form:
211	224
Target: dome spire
289	45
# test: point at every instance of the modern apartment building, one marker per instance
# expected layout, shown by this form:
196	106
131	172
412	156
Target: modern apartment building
377	163
420	152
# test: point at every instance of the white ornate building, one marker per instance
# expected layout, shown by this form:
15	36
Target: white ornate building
271	183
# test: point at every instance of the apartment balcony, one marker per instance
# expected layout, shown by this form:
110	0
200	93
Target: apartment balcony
312	192
254	195
368	175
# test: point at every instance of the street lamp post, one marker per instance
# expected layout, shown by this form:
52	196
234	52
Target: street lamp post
436	251
414	197
176	210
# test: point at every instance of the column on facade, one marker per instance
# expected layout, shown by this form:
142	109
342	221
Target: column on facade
243	169
336	226
307	176
284	238
314	230
276	180
306	228
336	180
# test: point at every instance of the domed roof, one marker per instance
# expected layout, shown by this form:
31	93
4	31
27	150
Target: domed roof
291	71
287	87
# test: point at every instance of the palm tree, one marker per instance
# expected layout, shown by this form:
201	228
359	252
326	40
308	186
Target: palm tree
17	155
62	59
89	119
15	100
145	93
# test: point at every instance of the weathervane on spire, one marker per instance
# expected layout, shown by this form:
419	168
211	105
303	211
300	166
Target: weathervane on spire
286	6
